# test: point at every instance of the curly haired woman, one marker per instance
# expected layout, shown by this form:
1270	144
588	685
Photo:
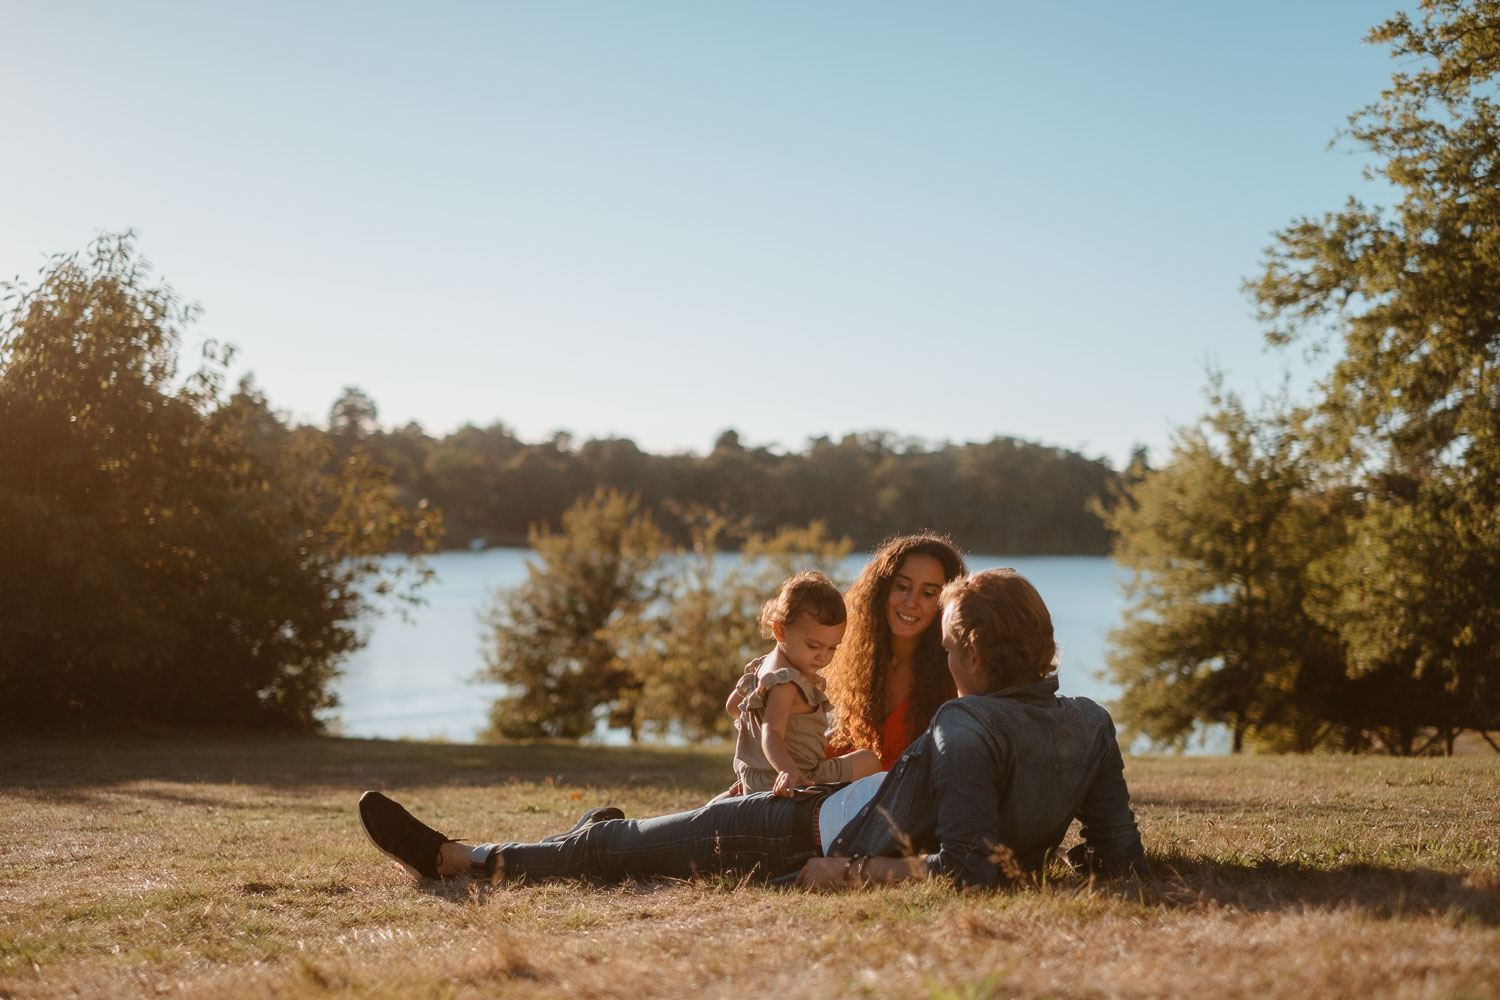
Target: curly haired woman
890	673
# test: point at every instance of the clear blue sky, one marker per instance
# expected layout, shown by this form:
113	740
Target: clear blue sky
660	220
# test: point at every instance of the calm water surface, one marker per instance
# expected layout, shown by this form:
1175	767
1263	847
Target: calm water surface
415	678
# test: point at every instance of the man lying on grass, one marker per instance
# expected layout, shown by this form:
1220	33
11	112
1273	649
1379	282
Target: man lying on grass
993	783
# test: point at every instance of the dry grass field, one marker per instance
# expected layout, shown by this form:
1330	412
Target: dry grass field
234	867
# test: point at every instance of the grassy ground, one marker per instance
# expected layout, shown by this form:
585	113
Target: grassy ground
235	867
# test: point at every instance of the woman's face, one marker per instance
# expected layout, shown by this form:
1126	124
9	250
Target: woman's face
913	603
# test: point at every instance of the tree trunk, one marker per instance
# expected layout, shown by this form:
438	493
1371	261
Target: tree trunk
1353	738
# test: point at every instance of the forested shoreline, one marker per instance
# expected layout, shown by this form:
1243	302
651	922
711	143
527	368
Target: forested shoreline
1004	495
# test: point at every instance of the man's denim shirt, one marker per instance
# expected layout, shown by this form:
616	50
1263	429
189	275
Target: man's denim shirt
1010	769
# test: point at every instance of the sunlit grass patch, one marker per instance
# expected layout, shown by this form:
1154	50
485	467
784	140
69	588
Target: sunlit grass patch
233	868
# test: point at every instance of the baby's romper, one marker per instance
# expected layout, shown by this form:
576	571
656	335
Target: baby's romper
806	735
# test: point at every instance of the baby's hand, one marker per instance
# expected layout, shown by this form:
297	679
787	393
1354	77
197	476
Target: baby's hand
786	783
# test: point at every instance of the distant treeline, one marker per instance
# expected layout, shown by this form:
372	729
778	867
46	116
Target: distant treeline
1000	496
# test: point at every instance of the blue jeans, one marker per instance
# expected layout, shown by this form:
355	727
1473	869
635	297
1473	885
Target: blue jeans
762	834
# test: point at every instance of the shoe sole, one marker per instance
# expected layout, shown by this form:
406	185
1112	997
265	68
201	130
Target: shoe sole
371	838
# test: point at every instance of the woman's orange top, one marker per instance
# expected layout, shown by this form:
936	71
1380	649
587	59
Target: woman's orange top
895	736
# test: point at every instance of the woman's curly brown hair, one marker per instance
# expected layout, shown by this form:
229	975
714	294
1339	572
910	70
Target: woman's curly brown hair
856	677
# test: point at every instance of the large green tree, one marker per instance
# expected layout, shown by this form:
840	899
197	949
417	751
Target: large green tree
1343	572
173	556
1408	296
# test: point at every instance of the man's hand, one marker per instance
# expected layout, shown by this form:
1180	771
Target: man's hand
821	874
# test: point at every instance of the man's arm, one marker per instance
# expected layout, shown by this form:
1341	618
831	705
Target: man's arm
838	873
1108	825
968	778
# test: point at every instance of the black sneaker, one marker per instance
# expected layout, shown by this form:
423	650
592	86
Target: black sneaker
588	819
401	835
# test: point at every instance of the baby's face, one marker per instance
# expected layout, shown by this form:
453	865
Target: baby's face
808	645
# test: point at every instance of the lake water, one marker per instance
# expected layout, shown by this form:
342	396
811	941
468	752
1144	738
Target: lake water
414	678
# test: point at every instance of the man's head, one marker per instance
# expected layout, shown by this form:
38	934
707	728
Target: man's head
997	631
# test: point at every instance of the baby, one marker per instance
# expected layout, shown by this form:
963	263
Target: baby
780	710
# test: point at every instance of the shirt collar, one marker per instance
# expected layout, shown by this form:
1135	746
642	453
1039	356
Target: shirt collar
1043	690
